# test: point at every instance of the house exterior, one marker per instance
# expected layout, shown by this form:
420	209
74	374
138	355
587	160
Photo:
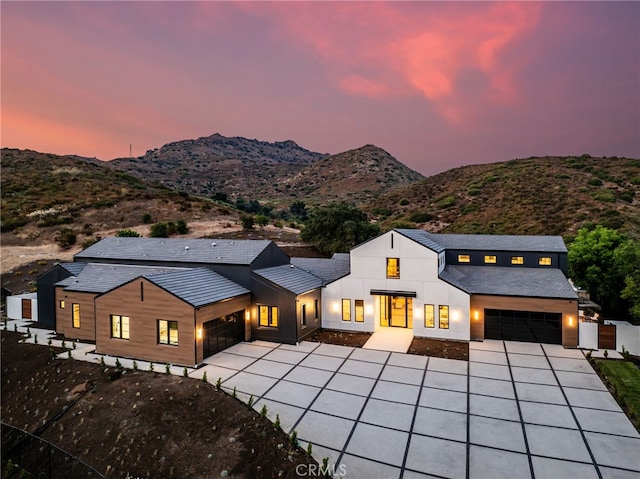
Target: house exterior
459	287
181	300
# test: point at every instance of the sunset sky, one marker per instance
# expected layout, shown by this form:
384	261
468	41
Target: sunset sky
435	84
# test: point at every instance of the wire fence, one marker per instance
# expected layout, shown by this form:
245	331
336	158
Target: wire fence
27	456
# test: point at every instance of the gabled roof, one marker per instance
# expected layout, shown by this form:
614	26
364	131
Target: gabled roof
421	237
100	277
184	250
509	281
291	278
198	286
73	268
328	270
546	244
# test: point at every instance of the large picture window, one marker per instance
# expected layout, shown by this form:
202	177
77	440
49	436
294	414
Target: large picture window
168	332
267	316
393	268
75	315
443	317
119	326
346	310
359	306
429	316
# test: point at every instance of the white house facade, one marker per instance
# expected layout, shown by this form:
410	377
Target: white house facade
394	282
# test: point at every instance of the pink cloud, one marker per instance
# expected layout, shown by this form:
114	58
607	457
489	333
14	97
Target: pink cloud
408	50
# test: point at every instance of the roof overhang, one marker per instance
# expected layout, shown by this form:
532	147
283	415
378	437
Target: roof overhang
386	292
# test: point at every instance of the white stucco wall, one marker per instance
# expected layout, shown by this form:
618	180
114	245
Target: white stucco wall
588	335
418	273
14	305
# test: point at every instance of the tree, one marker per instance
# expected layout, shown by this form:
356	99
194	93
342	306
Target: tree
627	257
338	227
181	227
593	266
262	221
66	237
299	209
247	221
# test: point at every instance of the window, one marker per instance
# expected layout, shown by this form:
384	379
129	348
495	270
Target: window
544	261
393	268
444	317
316	309
141	291
268	316
490	259
119	326
76	315
61	304
303	315
359	306
464	258
346	310
168	332
429	316
517	260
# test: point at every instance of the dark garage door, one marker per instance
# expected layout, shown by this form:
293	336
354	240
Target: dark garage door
528	326
223	332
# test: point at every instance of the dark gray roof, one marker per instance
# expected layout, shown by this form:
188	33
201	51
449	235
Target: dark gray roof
290	278
73	268
422	237
546	244
510	281
100	278
328	270
198	286
212	251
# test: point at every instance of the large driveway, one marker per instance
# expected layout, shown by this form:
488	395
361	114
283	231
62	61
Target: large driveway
515	410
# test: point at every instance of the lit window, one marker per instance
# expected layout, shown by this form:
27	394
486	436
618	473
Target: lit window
490	259
464	258
444	317
76	315
544	261
346	310
429	316
359	306
62	304
517	260
393	268
268	316
168	332
119	326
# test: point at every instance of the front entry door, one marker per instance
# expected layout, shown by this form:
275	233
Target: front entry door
396	311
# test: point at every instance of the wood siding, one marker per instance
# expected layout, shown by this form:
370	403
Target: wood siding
143	324
64	317
216	310
568	309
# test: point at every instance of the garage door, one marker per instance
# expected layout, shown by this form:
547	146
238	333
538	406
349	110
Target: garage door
223	332
530	326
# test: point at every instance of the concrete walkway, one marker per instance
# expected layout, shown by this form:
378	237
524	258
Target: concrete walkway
395	340
515	410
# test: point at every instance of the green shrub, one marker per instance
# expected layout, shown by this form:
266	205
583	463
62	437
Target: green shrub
128	234
159	230
606	196
181	227
447	202
404	202
474	192
420	217
247	222
66	237
595	182
146	218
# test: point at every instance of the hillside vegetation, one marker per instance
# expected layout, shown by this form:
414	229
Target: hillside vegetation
281	172
549	195
42	193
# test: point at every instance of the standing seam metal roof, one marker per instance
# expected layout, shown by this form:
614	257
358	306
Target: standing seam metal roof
510	281
328	270
547	244
184	250
198	286
290	278
423	238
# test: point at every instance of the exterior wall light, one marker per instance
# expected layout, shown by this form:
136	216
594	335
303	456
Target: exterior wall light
247	316
476	315
199	333
570	321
